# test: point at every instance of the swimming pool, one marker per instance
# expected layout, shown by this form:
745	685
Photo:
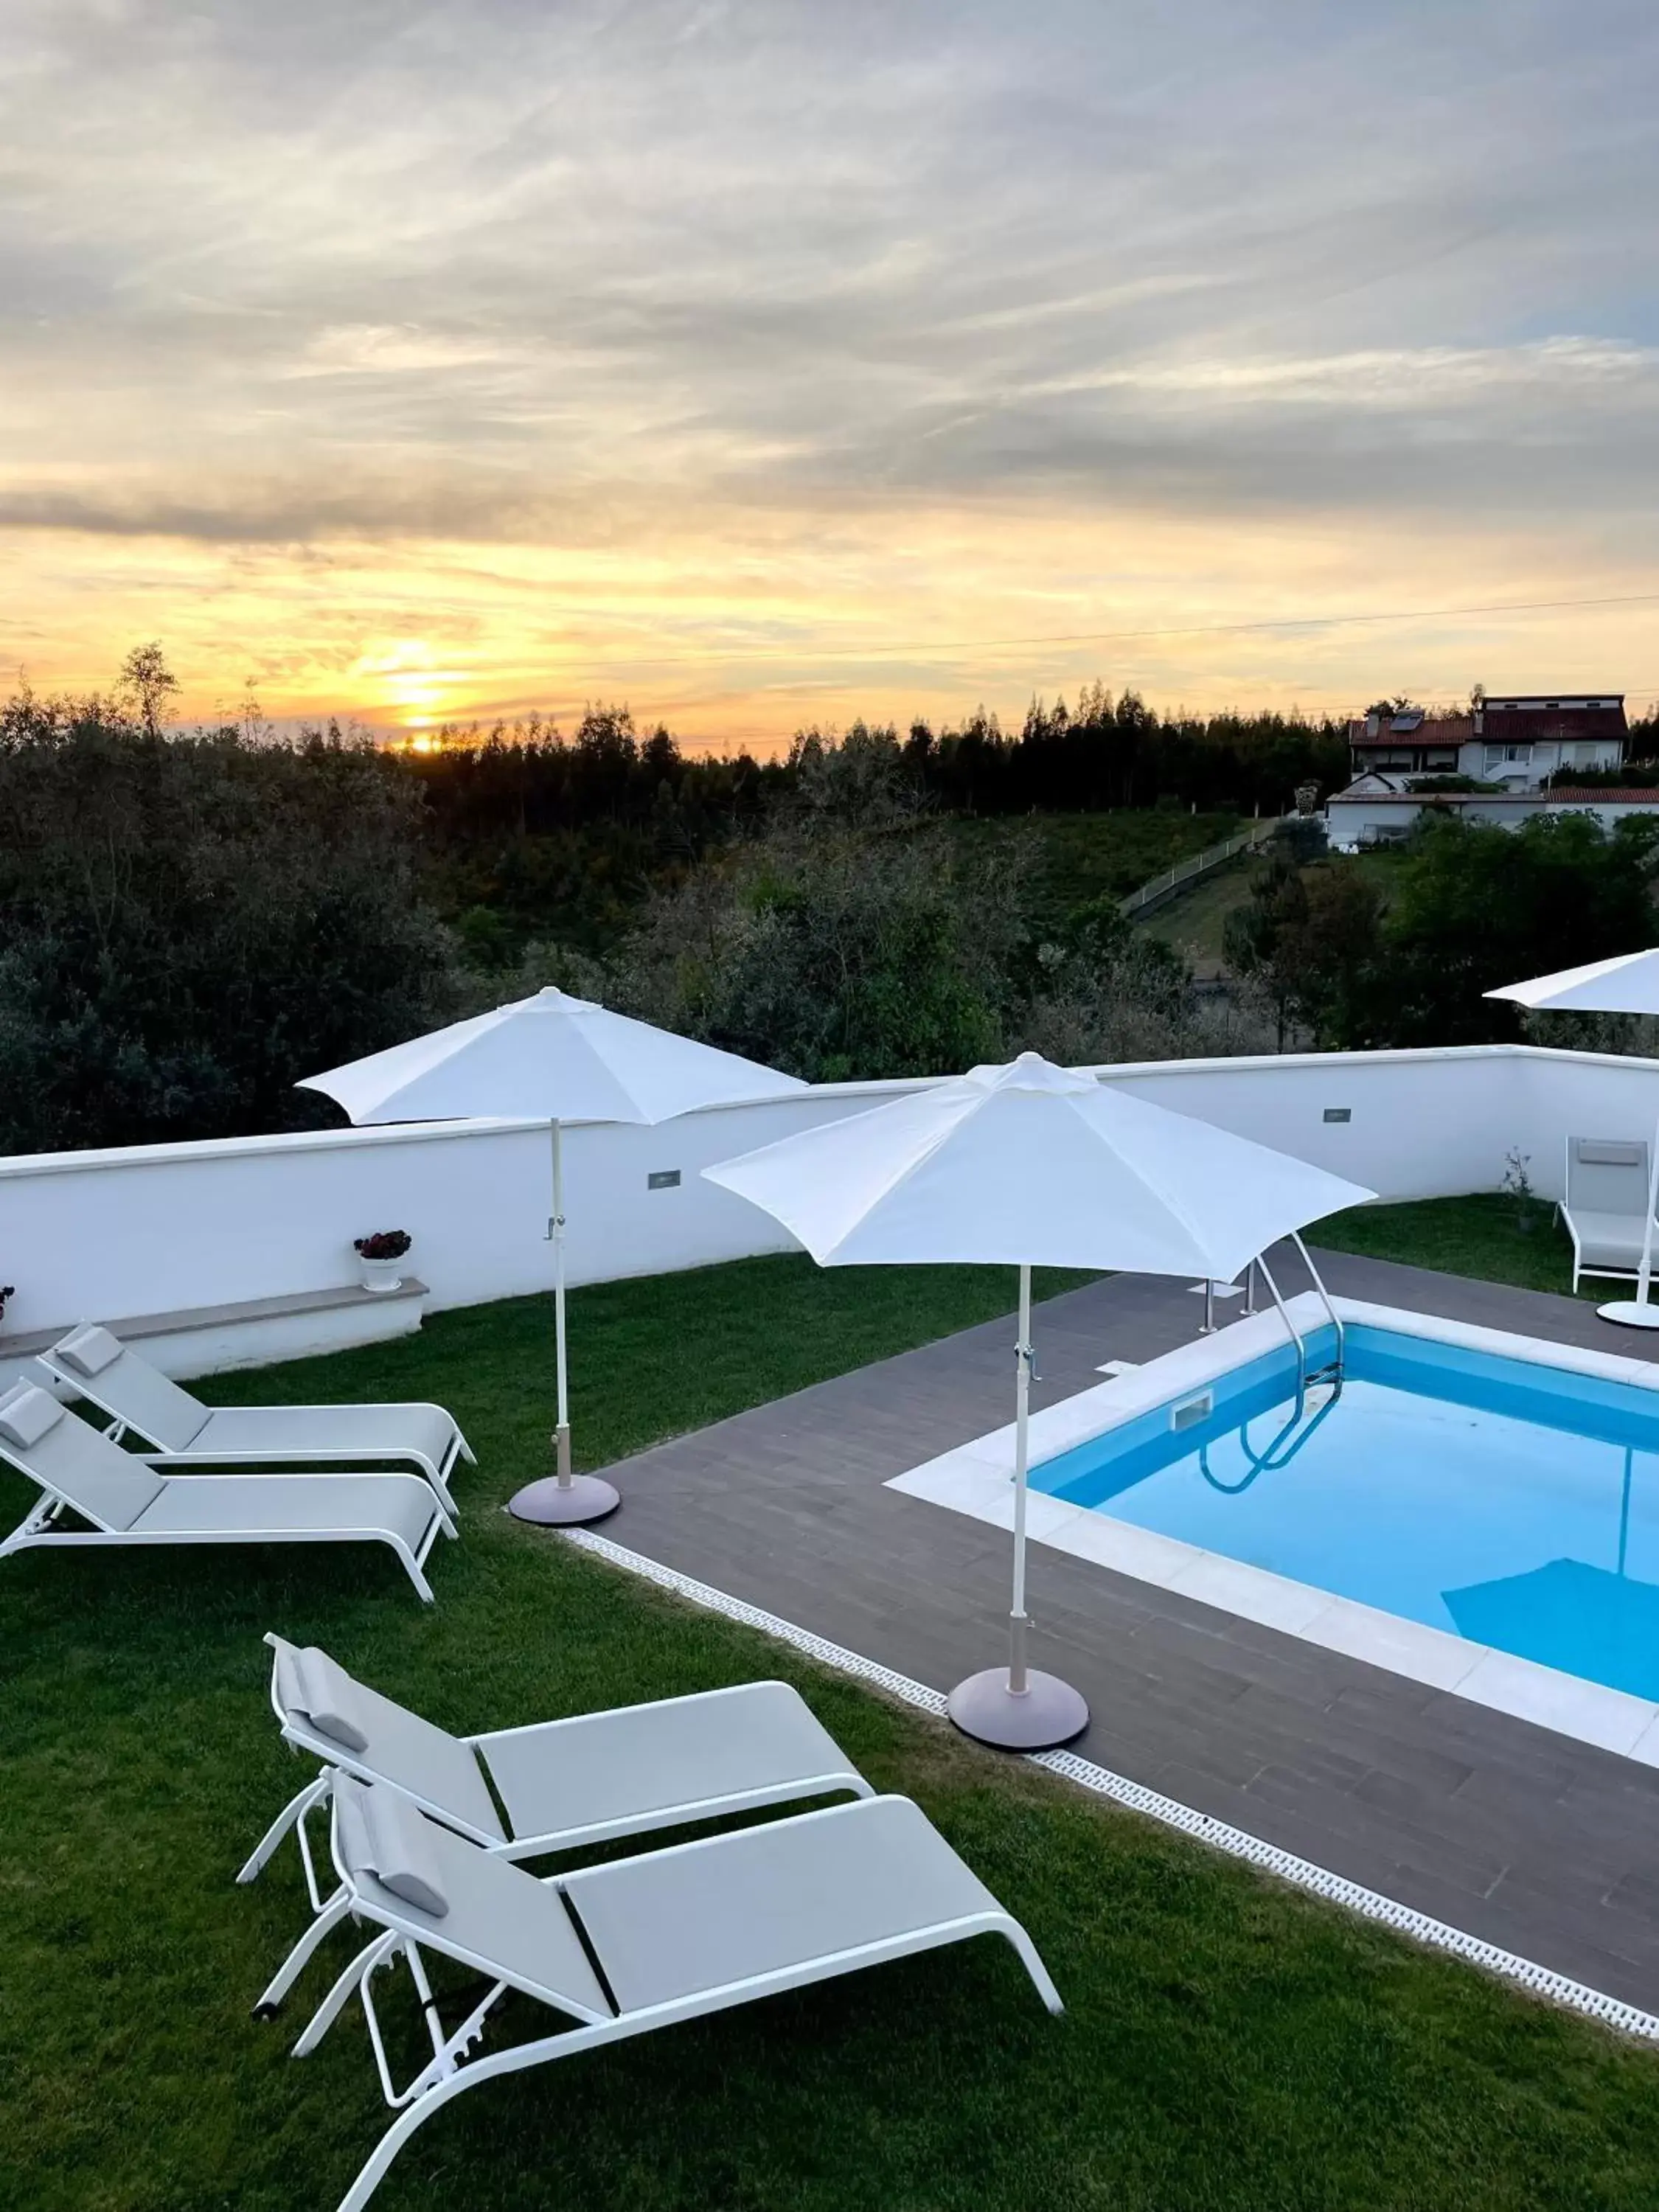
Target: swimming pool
1478	1511
1512	1506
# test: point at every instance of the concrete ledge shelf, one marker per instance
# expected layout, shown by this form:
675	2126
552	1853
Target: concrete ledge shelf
250	1333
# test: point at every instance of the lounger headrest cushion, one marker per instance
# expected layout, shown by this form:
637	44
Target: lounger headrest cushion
314	1689
382	1834
88	1350
27	1412
1609	1152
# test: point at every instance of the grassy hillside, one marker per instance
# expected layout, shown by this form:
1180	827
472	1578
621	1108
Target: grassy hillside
1080	857
1194	924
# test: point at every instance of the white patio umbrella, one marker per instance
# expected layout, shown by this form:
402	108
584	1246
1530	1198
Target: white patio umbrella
1626	984
1028	1165
555	1058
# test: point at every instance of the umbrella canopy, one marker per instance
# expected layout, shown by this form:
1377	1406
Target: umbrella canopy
547	1058
1626	984
1036	1165
1032	1164
550	1057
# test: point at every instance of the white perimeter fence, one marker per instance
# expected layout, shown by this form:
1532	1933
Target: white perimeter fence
148	1228
1189	870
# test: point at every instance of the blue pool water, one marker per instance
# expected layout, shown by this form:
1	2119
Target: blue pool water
1513	1504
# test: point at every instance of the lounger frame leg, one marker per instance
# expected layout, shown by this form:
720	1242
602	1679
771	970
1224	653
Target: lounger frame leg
332	1911
292	1816
327	1912
414	1561
352	1975
419	2106
423	1589
34	1527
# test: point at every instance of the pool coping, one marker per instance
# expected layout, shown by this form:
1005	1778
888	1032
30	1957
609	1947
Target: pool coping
973	1480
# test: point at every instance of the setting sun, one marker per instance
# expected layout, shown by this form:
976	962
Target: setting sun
403	683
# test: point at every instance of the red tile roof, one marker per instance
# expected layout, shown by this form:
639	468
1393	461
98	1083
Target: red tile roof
1442	732
1644	795
1525	721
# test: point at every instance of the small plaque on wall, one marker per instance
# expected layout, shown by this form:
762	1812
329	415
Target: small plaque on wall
663	1179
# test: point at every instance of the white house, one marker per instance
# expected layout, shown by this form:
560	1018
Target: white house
1381	809
1512	747
1514	742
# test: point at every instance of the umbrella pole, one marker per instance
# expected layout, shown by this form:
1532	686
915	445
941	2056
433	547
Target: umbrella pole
561	1433
562	1499
1644	1273
1015	1707
1020	1621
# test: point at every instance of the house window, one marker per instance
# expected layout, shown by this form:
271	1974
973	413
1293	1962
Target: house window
1498	757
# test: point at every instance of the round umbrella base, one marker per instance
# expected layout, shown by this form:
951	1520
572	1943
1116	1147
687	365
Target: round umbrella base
1633	1313
552	1505
1047	1712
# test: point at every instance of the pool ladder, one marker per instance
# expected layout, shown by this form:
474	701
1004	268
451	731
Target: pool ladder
1280	1453
1332	1370
1293	1435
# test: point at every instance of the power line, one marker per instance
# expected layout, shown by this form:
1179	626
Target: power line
923	648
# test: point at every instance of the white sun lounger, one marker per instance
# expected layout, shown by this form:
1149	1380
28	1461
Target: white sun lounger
129	1502
640	1943
561	1784
1606	1202
178	1431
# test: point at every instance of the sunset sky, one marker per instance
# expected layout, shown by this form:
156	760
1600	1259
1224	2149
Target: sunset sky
765	364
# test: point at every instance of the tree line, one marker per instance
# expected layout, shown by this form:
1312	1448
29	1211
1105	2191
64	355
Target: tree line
535	835
194	918
525	778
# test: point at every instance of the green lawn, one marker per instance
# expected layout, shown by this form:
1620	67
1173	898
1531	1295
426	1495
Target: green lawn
1228	2044
1480	1236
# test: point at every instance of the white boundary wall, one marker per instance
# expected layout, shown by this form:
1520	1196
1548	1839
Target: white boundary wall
148	1228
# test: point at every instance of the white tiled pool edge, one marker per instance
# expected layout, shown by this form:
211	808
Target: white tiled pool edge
973	1480
1235	1842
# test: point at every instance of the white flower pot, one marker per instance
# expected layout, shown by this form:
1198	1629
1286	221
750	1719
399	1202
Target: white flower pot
381	1274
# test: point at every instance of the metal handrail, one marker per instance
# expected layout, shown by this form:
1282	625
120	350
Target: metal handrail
1295	1337
1267	1461
1324	1298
